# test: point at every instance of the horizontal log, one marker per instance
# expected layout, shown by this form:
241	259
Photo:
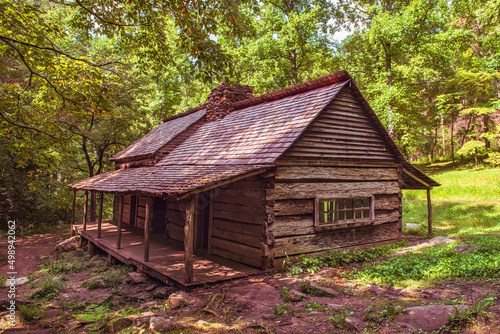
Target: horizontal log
341	125
306	154
239	196
251	261
336	173
140	223
345	131
127	199
337	149
332	115
321	141
176	232
387	202
239	213
233	226
294	207
236	236
291	225
348	138
333	190
176	217
141	200
141	211
335	239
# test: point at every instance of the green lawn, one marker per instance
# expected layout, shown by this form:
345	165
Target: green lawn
467	202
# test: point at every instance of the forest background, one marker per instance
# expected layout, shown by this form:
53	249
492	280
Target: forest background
82	79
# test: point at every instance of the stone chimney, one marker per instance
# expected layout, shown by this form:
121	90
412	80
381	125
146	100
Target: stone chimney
221	100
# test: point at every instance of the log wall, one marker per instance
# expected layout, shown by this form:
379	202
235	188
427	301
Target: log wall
342	154
176	219
239	213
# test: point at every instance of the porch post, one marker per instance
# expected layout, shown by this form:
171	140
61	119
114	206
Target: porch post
429	211
73	213
85	207
119	222
99	218
147	226
188	240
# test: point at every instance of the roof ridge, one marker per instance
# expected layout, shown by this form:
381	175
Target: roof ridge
279	94
293	90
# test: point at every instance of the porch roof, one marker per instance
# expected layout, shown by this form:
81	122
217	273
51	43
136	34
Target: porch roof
171	180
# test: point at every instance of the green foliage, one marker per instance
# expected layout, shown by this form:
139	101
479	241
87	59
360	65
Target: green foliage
314	306
49	287
99	317
335	258
388	310
493	159
338	319
307	288
30	312
437	263
282	309
463	318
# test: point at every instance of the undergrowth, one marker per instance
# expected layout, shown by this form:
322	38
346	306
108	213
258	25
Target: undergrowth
336	258
437	263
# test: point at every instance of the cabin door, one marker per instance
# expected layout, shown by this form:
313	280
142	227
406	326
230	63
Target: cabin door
202	218
159	211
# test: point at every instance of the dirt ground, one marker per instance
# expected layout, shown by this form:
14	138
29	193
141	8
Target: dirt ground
256	304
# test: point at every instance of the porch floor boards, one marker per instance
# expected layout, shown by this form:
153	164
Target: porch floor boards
166	256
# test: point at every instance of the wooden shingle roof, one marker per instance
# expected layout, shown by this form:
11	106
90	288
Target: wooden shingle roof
159	136
245	142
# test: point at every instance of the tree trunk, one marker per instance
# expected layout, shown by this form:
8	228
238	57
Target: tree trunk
442	135
388	81
475	157
451	139
487	143
293	67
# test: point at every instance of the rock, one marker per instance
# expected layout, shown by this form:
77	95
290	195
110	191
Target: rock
179	299
18	281
100	298
318	315
158	324
410	226
355	323
68	244
428	318
143	319
51	314
438	241
94	282
140	296
150	287
327	291
466	248
161	314
335	306
119	325
295	295
201	323
163	292
137	278
149	304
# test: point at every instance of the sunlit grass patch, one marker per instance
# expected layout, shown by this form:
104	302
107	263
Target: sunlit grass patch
436	264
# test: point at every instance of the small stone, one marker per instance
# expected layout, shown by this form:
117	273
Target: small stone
335	306
428	318
68	244
150	287
295	295
163	292
143	319
161	314
51	314
149	304
179	299
158	324
137	278
16	282
120	325
141	296
438	241
466	248
411	226
355	323
201	323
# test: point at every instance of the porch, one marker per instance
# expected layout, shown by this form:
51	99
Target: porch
166	257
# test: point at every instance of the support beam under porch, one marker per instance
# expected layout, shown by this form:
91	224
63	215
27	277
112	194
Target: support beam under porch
166	258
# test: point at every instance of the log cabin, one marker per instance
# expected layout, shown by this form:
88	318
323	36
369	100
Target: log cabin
253	180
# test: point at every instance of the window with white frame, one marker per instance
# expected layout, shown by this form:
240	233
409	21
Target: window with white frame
343	210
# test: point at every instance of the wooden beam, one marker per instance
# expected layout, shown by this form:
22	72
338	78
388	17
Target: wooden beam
213	185
73	213
416	178
119	222
188	240
147	226
429	212
85	207
99	218
210	220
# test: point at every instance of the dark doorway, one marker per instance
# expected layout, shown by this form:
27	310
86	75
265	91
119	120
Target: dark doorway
202	219
159	211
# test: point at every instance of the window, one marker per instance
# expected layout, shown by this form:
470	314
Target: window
343	210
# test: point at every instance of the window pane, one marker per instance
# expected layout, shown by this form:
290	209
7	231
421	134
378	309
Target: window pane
341	215
341	203
358	203
366	202
366	213
357	214
348	215
348	203
322	217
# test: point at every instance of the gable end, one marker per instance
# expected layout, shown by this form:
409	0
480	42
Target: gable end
342	131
